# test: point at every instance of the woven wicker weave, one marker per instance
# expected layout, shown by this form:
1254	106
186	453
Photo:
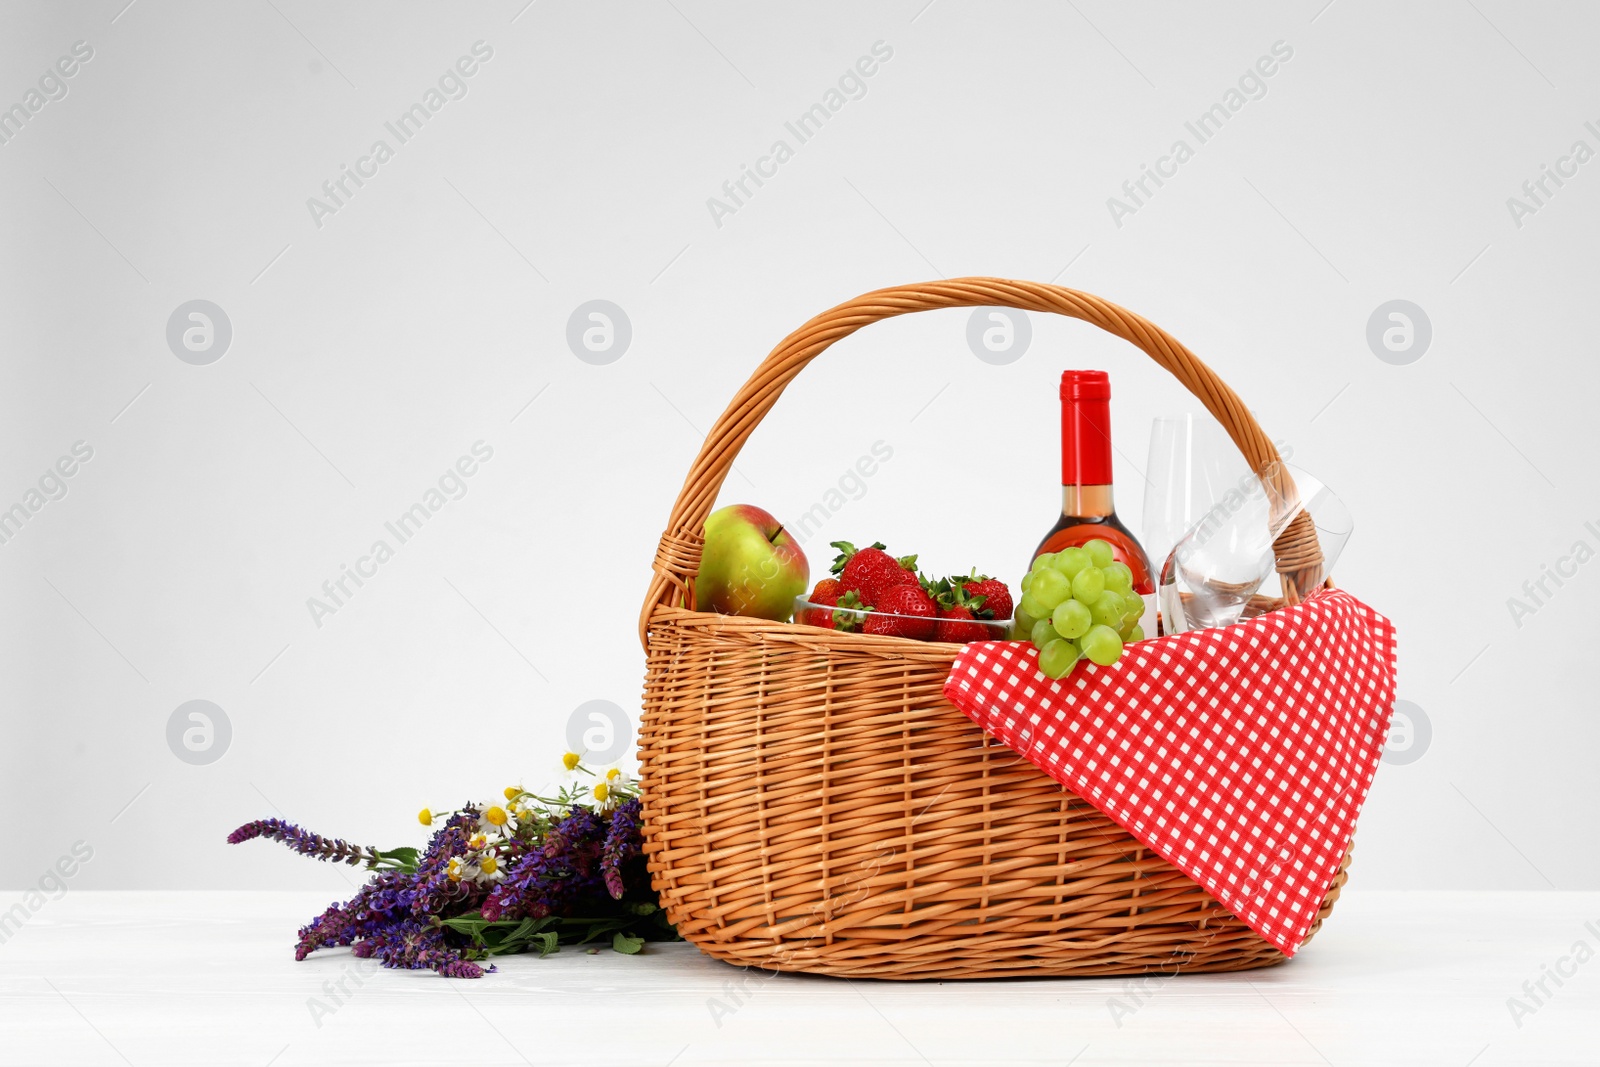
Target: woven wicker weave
813	803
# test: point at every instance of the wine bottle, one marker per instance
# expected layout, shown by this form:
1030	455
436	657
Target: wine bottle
1087	510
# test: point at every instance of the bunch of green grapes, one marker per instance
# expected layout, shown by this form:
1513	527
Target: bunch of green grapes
1078	602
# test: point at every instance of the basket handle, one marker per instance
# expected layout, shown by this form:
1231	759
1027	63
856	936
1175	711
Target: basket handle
677	562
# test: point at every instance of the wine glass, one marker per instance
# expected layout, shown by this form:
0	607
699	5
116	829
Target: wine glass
1215	569
1192	464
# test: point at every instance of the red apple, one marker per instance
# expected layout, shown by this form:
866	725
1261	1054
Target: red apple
750	565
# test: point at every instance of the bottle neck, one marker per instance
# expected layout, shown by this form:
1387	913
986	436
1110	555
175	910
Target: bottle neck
1086	442
1086	501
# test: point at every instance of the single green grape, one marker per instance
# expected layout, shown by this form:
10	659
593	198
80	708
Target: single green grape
1136	634
1070	561
1032	605
1042	633
1133	605
1050	587
1102	645
1089	584
1071	619
1027	581
1043	561
1107	610
1118	577
1023	622
1058	658
1102	553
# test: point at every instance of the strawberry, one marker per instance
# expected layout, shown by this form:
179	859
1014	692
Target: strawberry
910	613
827	594
871	571
955	624
844	620
827	588
989	596
984	597
963	602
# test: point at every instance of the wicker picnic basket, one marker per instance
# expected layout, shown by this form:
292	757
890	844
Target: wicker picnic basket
812	802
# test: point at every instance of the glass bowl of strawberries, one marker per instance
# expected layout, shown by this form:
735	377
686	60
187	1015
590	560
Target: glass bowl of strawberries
872	592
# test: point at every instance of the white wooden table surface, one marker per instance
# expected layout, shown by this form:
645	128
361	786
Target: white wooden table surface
209	978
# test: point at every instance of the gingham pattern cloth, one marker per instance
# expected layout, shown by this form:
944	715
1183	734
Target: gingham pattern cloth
1240	755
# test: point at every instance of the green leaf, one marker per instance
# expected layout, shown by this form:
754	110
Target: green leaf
405	857
628	946
548	941
594	929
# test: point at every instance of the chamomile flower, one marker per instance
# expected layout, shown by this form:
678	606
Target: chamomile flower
571	760
617	782
482	869
497	820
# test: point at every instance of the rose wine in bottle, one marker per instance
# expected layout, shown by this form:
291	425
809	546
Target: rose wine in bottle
1087	511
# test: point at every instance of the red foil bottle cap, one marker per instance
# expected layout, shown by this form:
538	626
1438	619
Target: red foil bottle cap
1085	385
1085	427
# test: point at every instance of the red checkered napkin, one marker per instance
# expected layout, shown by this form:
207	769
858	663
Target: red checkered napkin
1240	755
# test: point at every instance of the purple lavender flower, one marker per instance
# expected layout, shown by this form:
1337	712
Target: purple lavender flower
621	845
579	867
436	894
388	898
449	839
463	969
571	835
412	945
560	879
331	849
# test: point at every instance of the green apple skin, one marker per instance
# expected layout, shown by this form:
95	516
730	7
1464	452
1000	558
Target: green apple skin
750	565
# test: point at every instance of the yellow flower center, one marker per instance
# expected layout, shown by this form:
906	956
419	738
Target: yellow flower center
479	841
425	817
601	791
496	815
513	792
488	864
455	870
570	761
613	774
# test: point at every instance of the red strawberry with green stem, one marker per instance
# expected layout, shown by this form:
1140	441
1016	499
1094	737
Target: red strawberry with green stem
826	594
847	620
962	602
957	625
904	611
989	594
871	571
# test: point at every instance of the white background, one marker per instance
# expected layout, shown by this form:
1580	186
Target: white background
372	351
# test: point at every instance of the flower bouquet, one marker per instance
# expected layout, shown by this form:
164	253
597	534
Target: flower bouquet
528	875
